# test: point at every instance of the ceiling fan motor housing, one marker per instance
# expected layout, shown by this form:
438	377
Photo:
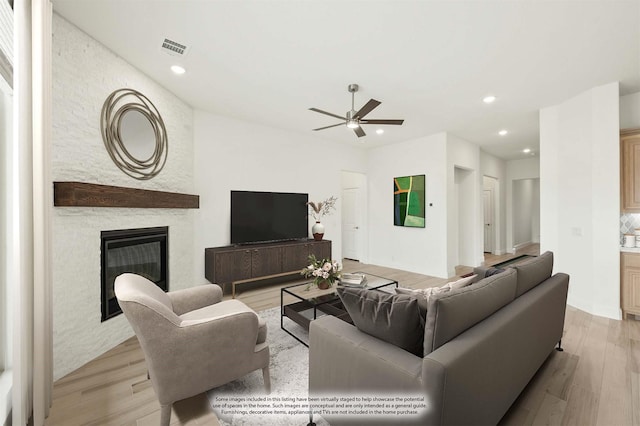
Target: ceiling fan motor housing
352	122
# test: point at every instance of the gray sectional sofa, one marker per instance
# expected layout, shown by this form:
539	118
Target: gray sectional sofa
482	345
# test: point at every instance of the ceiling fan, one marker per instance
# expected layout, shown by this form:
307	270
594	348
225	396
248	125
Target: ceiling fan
354	118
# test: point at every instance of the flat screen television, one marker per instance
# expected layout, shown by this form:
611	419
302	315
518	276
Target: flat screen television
268	216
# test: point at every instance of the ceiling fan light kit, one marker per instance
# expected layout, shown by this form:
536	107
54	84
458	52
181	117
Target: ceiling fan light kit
354	119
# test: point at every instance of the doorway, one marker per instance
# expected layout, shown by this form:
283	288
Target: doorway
489	213
353	218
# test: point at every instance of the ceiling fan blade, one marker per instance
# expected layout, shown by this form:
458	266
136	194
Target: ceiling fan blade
358	130
396	122
328	127
367	108
327	113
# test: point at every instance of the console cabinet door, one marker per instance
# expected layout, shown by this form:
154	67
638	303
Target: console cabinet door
630	281
295	257
321	249
266	261
232	265
630	172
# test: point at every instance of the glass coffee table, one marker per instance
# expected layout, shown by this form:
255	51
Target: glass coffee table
303	303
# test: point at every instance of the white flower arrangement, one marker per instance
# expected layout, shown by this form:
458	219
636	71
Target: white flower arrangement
323	270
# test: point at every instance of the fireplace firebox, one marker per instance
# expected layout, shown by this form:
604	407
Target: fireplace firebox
142	251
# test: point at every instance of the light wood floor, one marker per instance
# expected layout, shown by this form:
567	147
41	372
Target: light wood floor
595	381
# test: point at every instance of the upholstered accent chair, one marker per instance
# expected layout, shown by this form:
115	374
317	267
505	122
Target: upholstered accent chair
191	339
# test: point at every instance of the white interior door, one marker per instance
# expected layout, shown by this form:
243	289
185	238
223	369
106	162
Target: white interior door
351	234
488	220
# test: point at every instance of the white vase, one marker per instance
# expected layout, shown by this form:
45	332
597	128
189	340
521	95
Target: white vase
318	231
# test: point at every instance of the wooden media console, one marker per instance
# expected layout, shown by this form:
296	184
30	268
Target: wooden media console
238	264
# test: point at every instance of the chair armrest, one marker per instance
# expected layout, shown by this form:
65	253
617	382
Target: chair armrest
190	299
342	359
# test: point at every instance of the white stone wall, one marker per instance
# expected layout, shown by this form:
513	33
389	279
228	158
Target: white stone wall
84	74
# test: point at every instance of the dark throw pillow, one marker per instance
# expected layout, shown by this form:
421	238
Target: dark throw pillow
493	271
394	318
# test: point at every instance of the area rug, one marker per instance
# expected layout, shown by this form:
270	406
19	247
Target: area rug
289	379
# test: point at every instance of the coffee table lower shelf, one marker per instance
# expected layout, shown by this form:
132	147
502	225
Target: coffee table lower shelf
302	313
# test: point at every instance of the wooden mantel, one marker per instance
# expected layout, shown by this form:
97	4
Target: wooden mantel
79	194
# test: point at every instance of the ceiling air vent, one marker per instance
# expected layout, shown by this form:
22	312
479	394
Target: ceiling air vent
174	48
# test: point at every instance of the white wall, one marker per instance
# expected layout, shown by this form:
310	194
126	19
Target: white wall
436	249
465	202
421	250
535	212
231	154
630	111
84	74
523	201
496	168
580	196
6	294
6	136
353	180
461	218
526	168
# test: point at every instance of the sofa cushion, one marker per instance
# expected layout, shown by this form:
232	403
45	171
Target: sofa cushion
532	272
394	318
424	294
451	313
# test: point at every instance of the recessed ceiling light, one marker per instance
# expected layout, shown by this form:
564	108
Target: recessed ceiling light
502	132
488	99
177	69
380	131
526	150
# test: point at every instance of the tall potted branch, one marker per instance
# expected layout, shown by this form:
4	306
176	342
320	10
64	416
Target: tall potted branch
317	211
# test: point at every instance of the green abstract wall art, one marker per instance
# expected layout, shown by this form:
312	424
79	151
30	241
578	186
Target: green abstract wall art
408	201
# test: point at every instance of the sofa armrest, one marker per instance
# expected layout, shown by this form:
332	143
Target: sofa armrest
344	360
475	377
190	299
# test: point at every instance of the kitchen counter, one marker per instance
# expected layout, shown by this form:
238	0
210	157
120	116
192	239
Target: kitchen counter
630	249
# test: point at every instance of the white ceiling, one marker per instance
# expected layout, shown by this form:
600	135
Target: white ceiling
429	62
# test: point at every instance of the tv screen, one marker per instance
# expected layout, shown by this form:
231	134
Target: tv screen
268	216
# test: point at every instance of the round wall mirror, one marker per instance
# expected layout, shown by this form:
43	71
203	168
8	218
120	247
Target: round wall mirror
134	134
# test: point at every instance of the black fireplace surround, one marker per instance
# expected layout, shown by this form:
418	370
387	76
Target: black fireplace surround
142	251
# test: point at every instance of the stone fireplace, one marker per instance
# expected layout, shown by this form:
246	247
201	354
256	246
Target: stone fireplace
142	251
84	73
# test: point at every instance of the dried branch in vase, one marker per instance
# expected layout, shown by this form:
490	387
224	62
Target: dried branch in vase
322	208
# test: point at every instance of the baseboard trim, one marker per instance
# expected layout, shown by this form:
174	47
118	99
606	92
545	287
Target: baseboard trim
519	246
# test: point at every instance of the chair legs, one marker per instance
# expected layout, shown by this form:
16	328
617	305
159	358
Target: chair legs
267	379
165	415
